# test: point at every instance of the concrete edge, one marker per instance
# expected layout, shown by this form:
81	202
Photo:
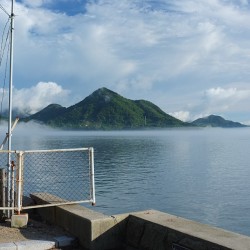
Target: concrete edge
28	245
95	230
8	246
61	241
204	232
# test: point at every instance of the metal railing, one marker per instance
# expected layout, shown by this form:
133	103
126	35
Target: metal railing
64	173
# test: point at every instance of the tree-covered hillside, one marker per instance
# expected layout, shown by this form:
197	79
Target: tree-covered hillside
105	109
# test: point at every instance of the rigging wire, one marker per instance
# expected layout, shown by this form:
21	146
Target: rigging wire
2	53
4	82
4	10
2	42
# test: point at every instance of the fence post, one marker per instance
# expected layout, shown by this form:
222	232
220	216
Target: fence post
92	174
2	191
19	181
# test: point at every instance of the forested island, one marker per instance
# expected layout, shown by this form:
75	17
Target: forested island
107	110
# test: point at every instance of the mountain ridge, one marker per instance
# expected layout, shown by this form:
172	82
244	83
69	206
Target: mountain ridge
105	109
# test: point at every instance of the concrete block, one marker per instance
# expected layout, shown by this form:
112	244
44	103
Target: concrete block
8	246
64	241
96	231
135	229
130	248
196	233
78	226
192	243
154	237
109	233
35	244
19	220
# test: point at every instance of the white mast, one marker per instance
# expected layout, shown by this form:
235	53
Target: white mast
10	170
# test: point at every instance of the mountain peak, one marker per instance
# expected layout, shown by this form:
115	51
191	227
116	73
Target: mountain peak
104	93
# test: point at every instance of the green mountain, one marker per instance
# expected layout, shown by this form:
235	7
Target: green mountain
48	113
216	121
105	109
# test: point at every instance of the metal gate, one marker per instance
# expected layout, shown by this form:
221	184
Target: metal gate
67	174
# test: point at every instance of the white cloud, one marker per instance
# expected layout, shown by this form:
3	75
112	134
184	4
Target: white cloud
220	101
182	115
117	41
230	95
246	123
35	3
140	48
227	102
31	100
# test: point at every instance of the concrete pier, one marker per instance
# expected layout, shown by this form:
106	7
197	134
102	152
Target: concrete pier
141	230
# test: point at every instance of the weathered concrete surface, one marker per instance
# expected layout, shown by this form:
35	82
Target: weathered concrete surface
94	230
147	230
19	220
35	244
28	245
64	241
161	231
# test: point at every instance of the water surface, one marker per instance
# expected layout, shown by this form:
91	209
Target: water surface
199	174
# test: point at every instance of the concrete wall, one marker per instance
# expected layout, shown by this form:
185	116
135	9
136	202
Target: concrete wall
146	230
94	230
156	230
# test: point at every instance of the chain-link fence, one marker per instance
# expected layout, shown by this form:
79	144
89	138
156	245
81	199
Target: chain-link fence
7	187
67	175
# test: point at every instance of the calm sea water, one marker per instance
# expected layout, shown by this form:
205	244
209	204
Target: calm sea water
199	174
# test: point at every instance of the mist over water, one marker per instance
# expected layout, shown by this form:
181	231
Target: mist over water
199	174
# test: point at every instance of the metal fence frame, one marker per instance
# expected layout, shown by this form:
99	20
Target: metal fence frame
16	200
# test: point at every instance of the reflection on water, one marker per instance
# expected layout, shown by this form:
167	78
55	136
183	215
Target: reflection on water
200	174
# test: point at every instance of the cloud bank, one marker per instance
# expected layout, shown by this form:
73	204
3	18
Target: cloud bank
190	57
32	100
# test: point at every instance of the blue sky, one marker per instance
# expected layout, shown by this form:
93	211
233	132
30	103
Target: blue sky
189	57
68	7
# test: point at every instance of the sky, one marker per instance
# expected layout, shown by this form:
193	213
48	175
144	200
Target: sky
189	57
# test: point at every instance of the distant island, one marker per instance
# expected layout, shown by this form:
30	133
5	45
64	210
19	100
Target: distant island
216	121
107	110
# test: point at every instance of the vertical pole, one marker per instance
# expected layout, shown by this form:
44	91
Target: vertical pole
19	181
2	192
10	105
92	174
12	184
